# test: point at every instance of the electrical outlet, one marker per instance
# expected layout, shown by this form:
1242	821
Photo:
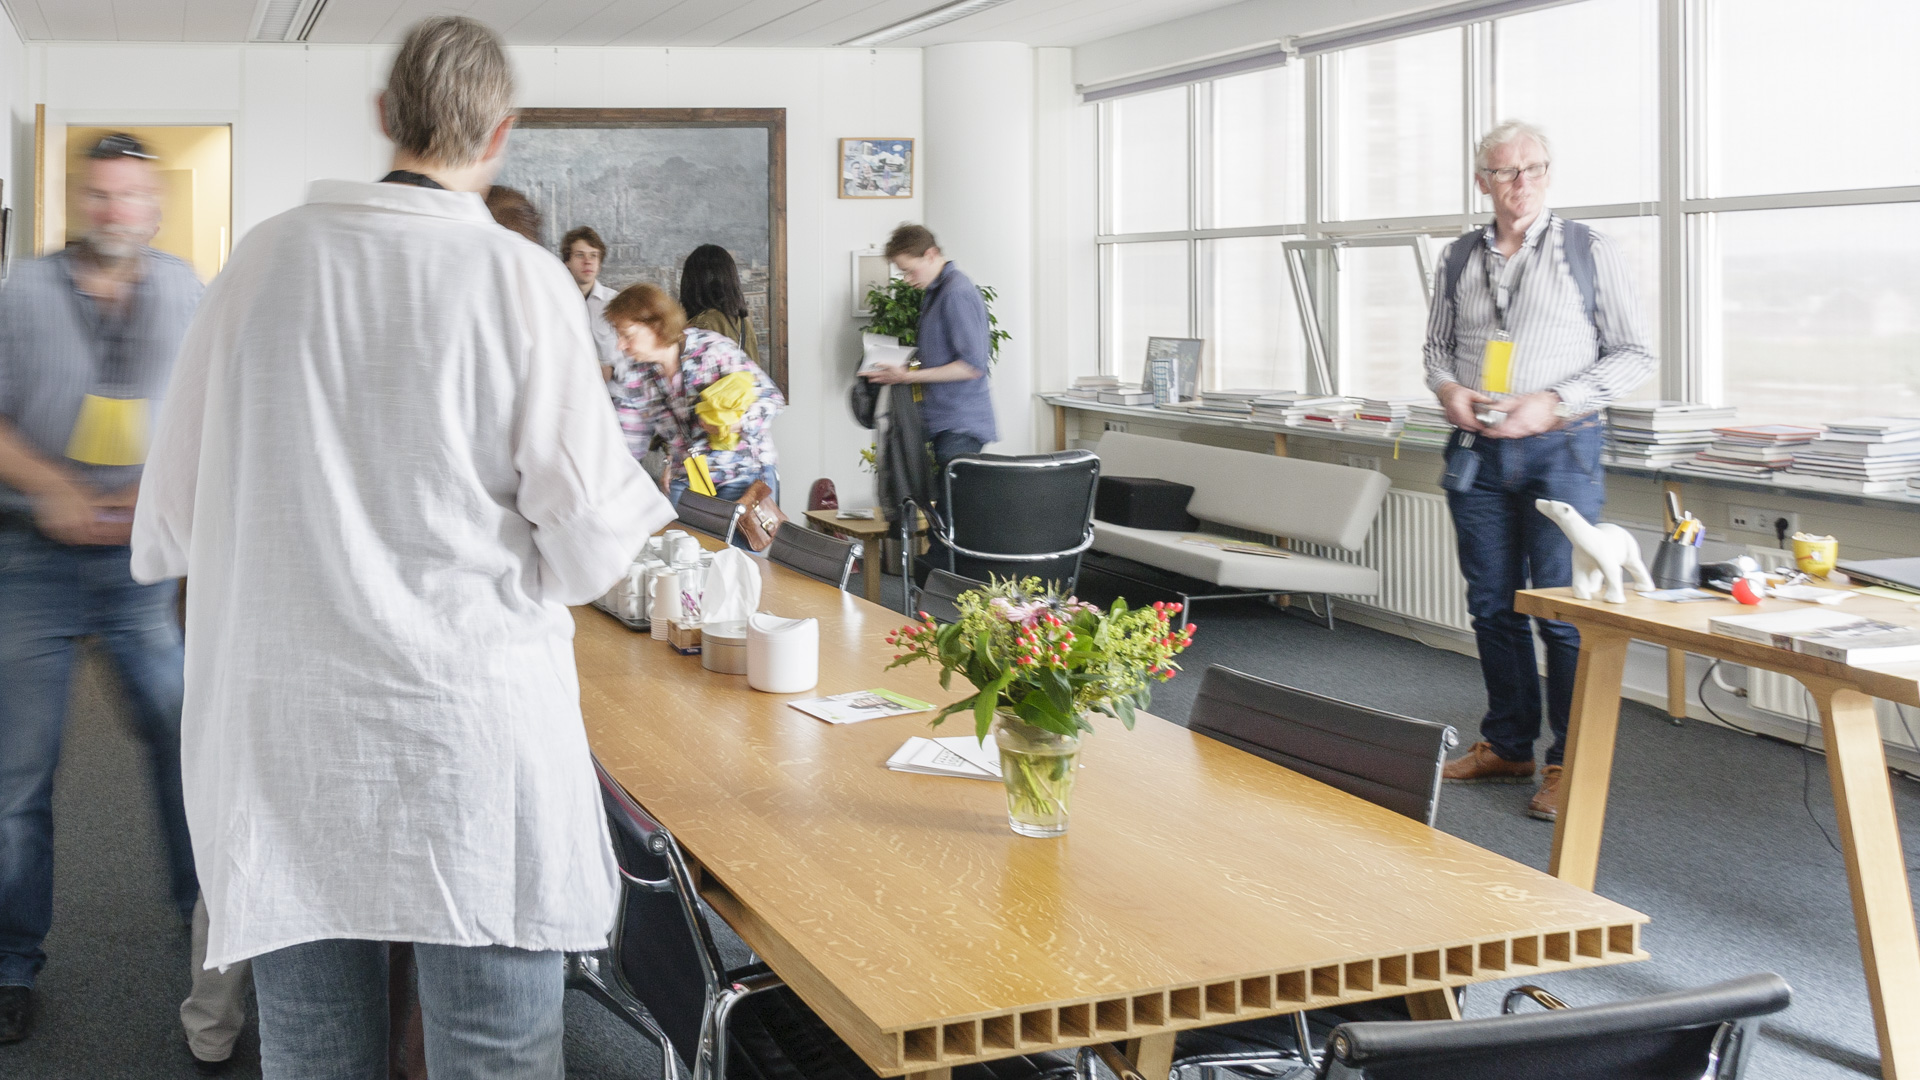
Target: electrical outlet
1761	520
1361	461
1116	425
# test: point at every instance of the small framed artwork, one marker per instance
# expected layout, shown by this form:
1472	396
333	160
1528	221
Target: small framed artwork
876	169
1179	360
871	271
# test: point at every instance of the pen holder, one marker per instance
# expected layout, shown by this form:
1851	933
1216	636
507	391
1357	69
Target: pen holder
1676	565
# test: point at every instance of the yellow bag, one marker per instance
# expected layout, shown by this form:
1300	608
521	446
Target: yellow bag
722	405
698	478
110	431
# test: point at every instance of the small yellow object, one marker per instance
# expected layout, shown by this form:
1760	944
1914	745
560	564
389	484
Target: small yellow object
698	478
110	431
1496	365
1815	555
723	403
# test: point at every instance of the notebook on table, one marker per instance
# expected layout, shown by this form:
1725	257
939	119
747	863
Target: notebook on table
1903	574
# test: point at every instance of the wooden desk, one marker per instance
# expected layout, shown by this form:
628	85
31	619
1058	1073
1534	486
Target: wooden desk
1199	884
870	534
1856	763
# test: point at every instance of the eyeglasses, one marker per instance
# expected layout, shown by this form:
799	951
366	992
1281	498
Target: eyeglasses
1508	175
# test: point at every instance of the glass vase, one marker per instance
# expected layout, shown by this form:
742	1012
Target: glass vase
1037	767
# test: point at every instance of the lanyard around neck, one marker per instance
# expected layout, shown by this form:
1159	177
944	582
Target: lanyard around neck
402	176
1503	297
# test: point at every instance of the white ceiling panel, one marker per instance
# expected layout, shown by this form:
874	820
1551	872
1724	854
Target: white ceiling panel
686	23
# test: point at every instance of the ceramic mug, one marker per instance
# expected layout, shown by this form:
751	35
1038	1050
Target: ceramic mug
1815	555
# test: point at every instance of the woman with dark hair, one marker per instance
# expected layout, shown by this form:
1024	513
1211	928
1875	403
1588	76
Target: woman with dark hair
710	294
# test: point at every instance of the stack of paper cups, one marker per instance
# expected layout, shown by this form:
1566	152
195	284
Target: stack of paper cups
666	601
783	655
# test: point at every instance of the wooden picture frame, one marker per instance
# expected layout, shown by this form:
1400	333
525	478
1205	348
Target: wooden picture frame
874	168
557	192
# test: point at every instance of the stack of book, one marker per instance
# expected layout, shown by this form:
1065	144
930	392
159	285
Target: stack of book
1381	416
1089	386
1237	404
1290	407
1659	434
1751	452
1126	395
1426	423
1869	455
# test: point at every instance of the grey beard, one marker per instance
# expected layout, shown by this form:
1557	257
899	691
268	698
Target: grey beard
112	245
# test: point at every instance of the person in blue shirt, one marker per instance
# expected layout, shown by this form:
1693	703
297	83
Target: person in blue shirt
954	348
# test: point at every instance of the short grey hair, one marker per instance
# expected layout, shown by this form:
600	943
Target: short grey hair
449	88
1508	131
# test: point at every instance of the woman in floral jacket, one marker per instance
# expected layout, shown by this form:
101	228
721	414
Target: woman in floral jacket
672	364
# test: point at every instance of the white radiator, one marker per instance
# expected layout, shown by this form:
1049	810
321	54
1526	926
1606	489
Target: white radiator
1783	695
1412	546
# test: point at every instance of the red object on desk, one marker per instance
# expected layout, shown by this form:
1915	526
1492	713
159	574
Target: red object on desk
1744	592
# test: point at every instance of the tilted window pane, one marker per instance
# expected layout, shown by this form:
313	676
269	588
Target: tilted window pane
1399	145
1146	297
1638	239
1819	312
1252	326
1147	162
1588	74
1259	149
1812	97
1383	323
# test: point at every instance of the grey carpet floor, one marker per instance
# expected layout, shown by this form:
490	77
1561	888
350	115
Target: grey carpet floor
1707	834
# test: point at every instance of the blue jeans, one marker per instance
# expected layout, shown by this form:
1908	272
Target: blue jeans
731	491
491	1012
1507	545
51	595
948	445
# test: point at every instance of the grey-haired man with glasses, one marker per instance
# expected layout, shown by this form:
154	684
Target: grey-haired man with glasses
1534	329
87	341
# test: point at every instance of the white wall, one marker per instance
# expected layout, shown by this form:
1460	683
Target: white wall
16	147
1066	219
306	112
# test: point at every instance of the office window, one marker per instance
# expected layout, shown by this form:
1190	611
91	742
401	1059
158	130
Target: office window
1258	135
1638	239
1399	149
1818	312
1383	323
1251	325
1146	174
1811	98
1589	75
1147	290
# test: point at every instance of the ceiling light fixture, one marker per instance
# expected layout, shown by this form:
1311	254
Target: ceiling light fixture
926	20
285	20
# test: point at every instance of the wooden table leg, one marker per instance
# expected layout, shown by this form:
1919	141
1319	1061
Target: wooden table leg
931	1074
1876	873
1152	1055
1589	759
872	569
1059	427
1676	683
1433	1005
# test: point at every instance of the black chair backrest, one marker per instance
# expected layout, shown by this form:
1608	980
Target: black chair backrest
1385	758
1668	1037
815	554
937	596
663	953
715	517
1019	517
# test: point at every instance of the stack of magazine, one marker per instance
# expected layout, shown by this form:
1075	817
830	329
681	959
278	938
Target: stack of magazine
1088	387
1382	416
1660	434
1828	634
1752	452
1868	455
1290	407
1426	423
1237	404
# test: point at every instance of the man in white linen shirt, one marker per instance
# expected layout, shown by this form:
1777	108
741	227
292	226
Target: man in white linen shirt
584	253
389	475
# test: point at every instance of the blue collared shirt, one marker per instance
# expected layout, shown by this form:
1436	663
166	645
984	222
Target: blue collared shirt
953	326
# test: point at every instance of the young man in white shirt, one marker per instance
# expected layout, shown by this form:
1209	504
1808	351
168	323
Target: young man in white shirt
389	476
585	253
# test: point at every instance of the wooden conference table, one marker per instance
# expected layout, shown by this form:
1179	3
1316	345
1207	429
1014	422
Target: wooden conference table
1198	884
1856	763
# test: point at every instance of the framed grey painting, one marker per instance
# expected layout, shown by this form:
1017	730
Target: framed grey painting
657	183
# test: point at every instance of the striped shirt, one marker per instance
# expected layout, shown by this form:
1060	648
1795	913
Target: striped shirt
1589	363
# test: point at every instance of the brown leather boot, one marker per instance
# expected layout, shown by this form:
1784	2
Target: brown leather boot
1480	765
1545	803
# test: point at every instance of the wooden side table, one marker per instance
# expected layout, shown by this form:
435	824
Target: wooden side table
871	534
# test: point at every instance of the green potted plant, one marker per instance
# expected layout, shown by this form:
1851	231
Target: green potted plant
896	312
1040	666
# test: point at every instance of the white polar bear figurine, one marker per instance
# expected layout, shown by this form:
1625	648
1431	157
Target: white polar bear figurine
1599	553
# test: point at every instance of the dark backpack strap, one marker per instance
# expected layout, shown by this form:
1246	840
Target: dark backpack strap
1577	241
1457	257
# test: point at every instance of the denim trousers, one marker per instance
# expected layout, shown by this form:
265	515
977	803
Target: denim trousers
731	491
948	445
491	1012
50	596
1506	544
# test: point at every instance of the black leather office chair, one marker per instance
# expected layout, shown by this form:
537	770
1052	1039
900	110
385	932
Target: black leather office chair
815	554
1016	517
1390	760
743	1023
939	595
1686	1035
717	518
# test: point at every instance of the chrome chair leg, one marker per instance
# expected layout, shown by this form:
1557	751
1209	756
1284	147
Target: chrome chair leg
583	972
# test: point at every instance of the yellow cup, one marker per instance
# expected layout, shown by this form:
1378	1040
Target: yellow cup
1815	555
